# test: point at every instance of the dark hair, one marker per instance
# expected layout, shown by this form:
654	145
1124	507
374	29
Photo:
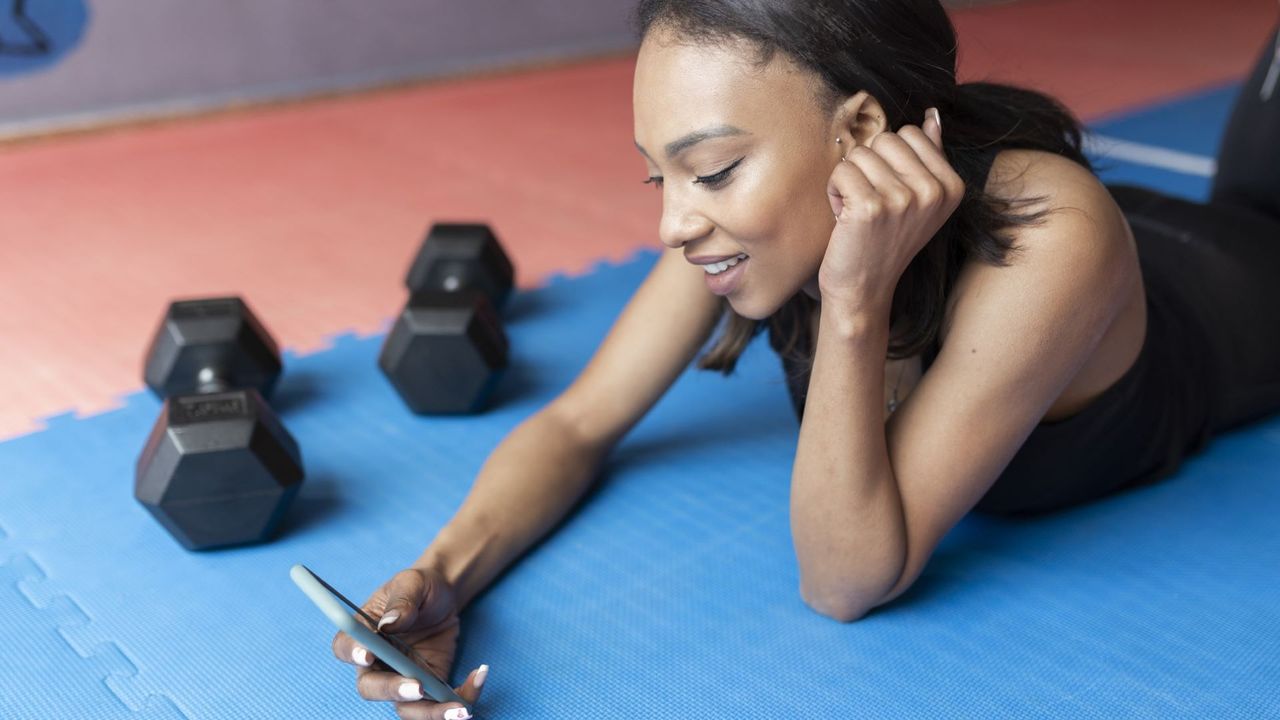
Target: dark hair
903	52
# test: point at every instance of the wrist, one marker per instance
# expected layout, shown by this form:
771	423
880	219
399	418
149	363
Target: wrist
853	320
432	559
442	557
461	562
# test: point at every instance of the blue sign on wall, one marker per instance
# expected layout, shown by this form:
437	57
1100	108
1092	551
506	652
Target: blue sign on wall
36	34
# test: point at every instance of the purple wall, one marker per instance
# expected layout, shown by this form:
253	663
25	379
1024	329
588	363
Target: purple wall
137	58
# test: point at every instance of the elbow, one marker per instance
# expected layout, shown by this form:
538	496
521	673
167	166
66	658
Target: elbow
843	607
840	614
846	597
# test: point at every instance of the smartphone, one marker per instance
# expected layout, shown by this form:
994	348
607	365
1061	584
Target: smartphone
389	650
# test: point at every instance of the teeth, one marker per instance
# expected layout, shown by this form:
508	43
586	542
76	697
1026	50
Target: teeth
717	268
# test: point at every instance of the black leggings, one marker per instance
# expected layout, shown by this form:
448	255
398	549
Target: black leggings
1223	256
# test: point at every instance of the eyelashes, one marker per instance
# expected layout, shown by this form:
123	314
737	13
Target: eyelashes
717	179
711	181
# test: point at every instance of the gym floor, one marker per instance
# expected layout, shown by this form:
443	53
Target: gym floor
672	592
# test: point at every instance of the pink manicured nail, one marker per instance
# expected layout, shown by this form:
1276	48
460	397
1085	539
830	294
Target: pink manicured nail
456	714
481	674
937	117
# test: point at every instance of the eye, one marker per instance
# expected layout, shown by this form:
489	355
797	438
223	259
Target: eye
711	181
719	178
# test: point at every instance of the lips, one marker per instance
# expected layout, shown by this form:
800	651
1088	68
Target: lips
722	278
719	267
710	259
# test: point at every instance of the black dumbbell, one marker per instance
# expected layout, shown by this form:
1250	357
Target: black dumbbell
218	468
447	349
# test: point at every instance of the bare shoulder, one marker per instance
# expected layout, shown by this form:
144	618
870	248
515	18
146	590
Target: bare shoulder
1082	220
1016	166
1062	187
1082	231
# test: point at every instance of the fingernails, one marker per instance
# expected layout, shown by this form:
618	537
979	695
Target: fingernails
389	618
481	674
456	714
937	117
361	656
410	691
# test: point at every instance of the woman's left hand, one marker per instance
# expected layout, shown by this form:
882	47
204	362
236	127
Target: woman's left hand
889	197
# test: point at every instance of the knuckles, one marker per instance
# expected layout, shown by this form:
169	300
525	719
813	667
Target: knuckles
370	686
871	208
931	194
899	202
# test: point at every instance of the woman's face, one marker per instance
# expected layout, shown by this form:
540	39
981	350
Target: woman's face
755	183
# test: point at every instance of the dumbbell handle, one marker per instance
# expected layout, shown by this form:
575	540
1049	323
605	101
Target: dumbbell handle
210	380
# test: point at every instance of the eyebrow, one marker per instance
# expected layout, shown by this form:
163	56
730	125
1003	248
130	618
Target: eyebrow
676	147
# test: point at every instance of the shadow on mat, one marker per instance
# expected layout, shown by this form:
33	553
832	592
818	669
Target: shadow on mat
319	499
296	389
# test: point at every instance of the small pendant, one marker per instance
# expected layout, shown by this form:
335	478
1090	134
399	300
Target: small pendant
893	402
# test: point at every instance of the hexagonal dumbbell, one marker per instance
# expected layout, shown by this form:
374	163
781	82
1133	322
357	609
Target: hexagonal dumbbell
218	468
447	349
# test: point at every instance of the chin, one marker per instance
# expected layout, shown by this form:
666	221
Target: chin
751	308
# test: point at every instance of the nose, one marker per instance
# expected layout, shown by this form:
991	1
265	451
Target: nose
681	223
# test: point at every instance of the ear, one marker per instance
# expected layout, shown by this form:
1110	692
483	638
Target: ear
859	118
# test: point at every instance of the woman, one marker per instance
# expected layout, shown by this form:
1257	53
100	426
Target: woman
965	314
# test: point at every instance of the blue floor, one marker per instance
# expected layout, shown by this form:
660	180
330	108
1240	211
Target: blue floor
1191	125
670	593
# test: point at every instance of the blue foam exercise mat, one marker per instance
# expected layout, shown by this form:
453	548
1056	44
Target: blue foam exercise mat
671	591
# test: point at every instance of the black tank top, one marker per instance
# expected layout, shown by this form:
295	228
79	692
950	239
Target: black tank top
1136	432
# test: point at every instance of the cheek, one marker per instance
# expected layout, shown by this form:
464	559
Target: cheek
800	241
782	263
784	227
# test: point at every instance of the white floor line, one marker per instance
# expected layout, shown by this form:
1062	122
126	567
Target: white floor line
1108	147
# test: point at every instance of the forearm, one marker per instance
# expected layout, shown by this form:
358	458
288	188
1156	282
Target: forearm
846	512
529	482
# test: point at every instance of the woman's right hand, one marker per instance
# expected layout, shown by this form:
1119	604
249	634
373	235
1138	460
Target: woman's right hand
418	605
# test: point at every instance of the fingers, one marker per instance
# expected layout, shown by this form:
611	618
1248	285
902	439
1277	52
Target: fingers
932	126
428	710
905	164
469	690
926	152
934	160
907	168
406	591
346	649
894	194
849	185
384	685
425	711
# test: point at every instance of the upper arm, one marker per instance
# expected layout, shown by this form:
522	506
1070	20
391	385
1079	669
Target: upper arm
1018	336
659	332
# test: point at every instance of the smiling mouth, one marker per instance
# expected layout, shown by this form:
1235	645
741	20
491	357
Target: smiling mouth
717	268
